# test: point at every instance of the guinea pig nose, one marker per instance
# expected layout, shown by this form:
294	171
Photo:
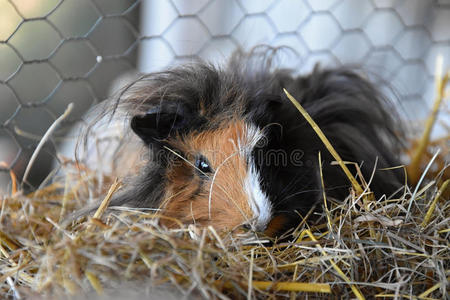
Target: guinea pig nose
259	227
254	227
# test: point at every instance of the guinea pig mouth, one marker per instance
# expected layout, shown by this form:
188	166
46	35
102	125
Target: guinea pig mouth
254	226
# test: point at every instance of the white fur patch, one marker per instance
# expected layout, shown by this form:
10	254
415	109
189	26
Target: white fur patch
252	136
258	200
259	203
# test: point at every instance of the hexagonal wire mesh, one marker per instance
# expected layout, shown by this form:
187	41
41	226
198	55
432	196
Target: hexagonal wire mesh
54	52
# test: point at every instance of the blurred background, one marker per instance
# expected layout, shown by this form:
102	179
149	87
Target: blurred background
53	52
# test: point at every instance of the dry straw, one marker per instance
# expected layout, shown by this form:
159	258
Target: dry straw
361	247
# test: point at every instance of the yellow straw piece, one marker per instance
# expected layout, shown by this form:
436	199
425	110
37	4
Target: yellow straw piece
312	260
359	190
412	253
13	178
432	289
104	205
430	211
324	194
354	288
13	182
441	82
397	296
293	286
284	286
95	282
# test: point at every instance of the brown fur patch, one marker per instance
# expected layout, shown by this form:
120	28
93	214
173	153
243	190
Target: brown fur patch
188	194
276	225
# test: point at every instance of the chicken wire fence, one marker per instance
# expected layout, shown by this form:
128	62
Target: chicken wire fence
54	52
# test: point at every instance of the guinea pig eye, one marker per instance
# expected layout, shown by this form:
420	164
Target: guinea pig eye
202	165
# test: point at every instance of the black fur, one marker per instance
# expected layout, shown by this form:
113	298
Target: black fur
348	109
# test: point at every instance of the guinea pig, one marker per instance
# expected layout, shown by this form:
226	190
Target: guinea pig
223	146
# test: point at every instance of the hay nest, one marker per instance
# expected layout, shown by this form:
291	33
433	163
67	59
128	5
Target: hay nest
387	248
361	247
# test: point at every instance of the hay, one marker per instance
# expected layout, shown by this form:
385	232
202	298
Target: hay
408	256
361	247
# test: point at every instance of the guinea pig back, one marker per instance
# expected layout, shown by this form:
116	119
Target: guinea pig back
225	147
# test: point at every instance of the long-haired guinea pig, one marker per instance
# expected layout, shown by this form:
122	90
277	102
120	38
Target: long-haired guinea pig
225	147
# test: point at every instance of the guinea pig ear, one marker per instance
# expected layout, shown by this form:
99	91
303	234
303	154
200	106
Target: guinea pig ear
159	122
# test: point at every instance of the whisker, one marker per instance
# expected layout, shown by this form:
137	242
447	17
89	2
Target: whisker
186	160
294	180
307	191
301	192
212	182
226	193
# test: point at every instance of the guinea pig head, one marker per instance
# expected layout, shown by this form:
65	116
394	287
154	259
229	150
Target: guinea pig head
211	178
